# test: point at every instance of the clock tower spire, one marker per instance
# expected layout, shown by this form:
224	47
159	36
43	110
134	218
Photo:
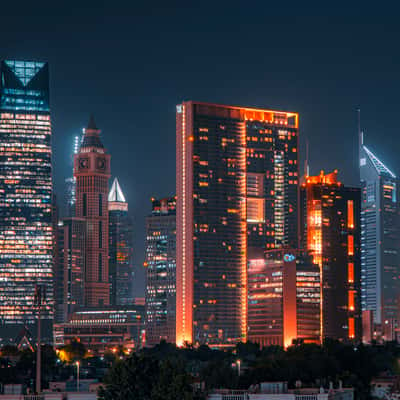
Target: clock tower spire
92	172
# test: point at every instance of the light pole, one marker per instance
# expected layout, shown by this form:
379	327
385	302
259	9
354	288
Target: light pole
39	300
238	366
77	375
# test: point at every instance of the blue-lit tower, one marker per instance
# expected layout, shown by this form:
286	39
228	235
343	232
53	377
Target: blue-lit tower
380	240
26	237
70	184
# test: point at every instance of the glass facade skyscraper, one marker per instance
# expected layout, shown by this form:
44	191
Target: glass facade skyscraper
380	239
120	248
26	237
284	299
160	266
331	233
237	195
70	186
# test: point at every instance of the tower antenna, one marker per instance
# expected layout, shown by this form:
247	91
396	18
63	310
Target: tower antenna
306	165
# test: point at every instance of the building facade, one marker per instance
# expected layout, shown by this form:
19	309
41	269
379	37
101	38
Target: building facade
70	267
284	299
331	233
26	234
103	329
237	193
160	264
380	240
120	248
92	172
70	186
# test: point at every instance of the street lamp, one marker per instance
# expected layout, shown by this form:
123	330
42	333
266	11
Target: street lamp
77	375
238	366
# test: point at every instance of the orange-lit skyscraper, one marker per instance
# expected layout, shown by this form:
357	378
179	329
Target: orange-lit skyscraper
92	172
284	299
26	232
331	233
237	194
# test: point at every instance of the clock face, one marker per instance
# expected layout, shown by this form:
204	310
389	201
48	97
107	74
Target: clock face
101	164
83	163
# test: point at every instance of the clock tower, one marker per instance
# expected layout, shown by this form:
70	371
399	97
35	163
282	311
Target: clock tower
92	172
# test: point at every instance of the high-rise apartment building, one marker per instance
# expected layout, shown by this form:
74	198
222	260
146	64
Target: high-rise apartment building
160	266
237	194
92	172
26	236
380	240
284	299
120	248
331	233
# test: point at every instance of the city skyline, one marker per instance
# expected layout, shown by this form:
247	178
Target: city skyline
323	77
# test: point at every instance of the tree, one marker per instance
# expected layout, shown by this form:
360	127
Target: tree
143	377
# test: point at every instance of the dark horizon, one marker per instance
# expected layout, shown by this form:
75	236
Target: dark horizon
130	65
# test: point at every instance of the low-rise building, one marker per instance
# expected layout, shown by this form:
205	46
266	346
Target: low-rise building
103	329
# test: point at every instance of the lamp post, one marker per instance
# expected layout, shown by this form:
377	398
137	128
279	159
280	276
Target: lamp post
39	299
77	375
238	366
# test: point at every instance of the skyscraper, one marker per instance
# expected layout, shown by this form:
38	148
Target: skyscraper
284	299
70	186
237	193
380	239
70	267
26	237
120	248
160	266
92	172
331	233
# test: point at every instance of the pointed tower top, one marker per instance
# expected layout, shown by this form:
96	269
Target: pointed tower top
379	166
92	124
91	137
116	194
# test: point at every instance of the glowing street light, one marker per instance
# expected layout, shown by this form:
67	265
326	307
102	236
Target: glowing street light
77	375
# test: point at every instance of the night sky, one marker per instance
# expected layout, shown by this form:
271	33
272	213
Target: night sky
130	63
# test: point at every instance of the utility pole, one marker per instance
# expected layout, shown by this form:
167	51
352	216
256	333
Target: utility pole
39	299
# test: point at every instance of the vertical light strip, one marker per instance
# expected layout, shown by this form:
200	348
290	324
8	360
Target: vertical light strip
244	236
184	200
350	214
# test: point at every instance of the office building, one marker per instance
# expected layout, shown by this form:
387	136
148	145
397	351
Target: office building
380	240
26	236
237	190
70	186
92	172
284	299
103	329
331	233
70	267
160	264
120	248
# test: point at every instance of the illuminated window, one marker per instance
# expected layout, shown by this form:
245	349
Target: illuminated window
350	214
351	328
350	272
350	245
351	300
